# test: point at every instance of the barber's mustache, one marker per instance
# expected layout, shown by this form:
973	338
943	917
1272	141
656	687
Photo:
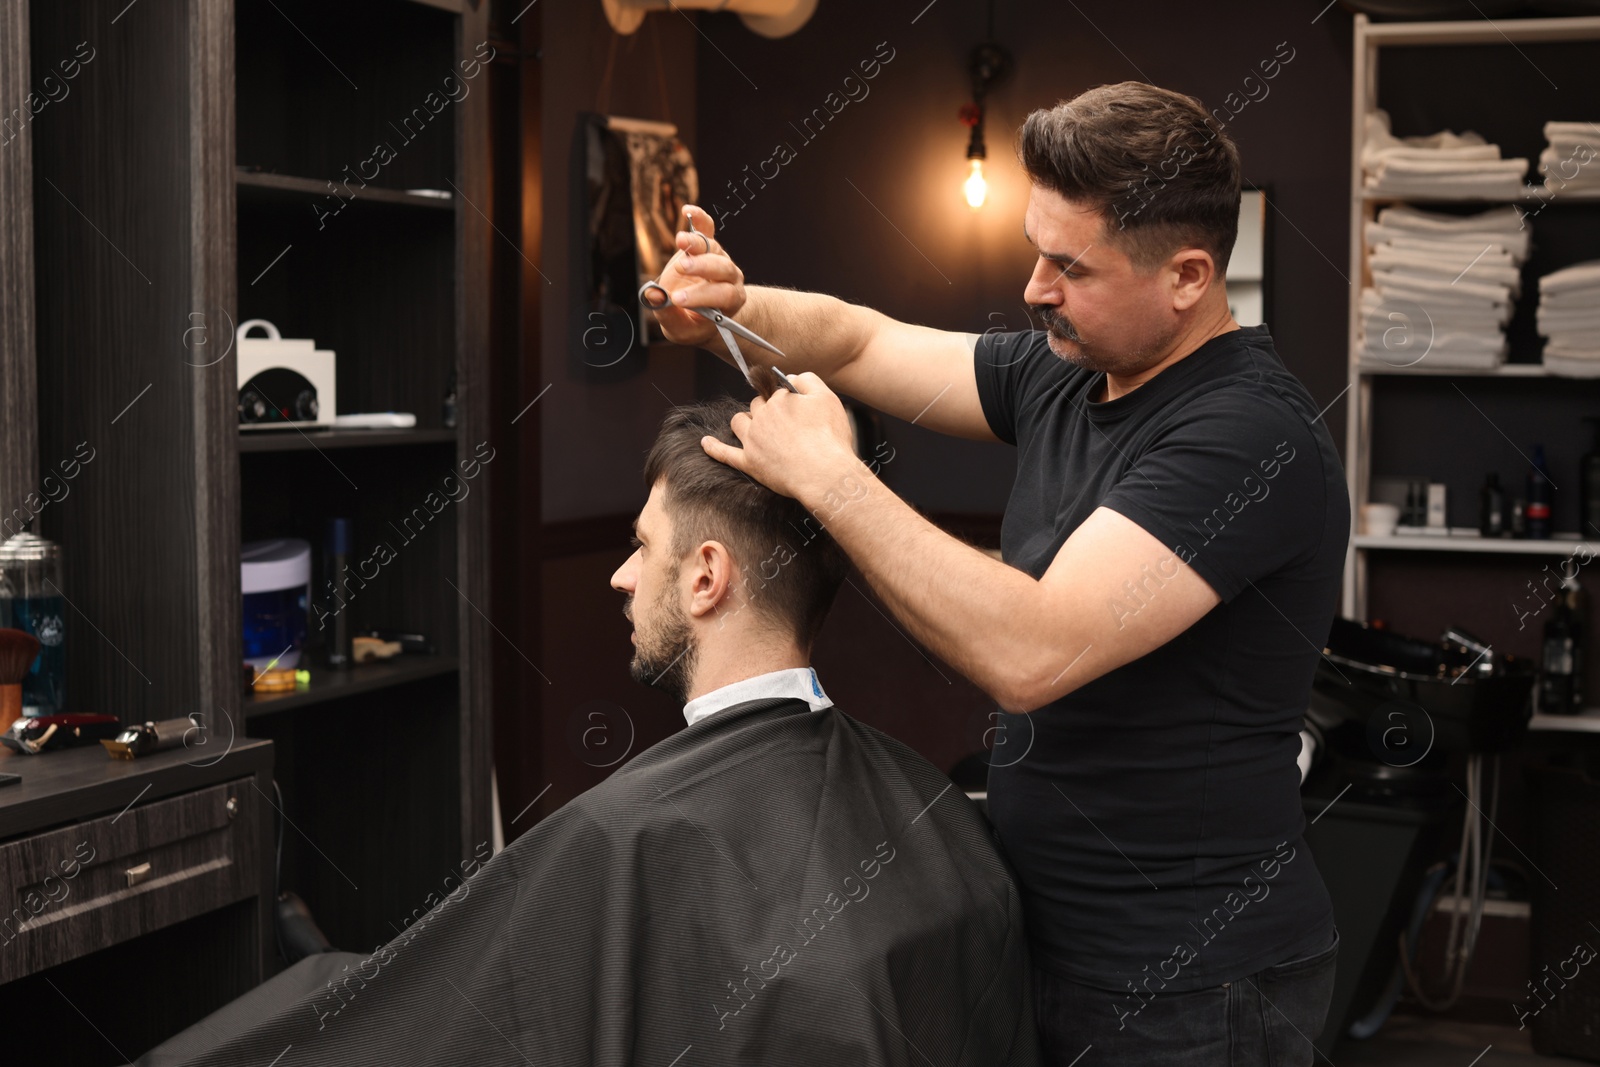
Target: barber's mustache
627	608
1056	323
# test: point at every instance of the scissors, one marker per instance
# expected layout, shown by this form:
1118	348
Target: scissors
655	297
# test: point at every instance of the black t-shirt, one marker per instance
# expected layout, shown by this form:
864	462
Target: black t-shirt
1153	815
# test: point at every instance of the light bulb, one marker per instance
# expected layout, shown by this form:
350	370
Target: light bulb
975	187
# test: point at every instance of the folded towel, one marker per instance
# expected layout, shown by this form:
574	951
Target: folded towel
1561	351
1462	187
1383	312
1424	168
1573	168
1504	219
1571	131
1463	291
1442	164
1486	270
1378	235
1585	275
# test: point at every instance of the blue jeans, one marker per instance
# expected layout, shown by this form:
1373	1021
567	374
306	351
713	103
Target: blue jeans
1264	1020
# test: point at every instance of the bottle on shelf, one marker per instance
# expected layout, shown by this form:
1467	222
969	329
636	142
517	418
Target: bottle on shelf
1492	507
1538	513
1519	518
1561	678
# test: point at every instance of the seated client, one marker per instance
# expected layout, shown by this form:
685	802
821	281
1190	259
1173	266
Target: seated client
776	883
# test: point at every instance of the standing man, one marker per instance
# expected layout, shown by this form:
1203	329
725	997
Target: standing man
1173	542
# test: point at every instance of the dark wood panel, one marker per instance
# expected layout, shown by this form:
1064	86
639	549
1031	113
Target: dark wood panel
212	407
127	206
19	453
516	298
302	440
371	796
200	850
475	584
84	782
211	959
320	85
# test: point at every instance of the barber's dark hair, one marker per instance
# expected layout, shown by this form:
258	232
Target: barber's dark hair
1155	163
790	566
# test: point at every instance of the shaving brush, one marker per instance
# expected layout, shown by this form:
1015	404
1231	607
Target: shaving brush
17	652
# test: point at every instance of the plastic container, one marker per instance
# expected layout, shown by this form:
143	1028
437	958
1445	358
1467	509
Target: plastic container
275	578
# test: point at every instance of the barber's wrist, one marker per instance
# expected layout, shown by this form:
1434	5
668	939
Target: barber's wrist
839	485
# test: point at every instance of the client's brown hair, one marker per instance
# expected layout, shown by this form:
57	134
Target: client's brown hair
791	568
1158	168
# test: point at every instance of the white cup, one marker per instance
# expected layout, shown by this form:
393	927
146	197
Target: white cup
1379	519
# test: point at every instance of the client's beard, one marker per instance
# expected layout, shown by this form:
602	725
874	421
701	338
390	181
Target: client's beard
665	657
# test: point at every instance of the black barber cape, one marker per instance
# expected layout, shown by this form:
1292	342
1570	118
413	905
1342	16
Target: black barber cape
769	886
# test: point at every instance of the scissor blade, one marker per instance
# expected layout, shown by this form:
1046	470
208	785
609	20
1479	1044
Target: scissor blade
749	335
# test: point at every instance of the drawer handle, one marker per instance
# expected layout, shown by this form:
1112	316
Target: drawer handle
135	875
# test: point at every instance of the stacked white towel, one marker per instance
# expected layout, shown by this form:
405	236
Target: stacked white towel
1572	158
1569	320
1440	165
1443	287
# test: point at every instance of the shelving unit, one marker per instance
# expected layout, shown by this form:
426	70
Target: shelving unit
1414	57
191	167
290	441
329	686
1467	539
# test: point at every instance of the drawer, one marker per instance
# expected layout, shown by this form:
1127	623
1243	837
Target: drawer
70	891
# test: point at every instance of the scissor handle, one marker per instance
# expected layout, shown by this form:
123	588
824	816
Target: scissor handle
654	296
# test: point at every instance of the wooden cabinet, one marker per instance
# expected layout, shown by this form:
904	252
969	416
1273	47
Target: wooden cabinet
213	161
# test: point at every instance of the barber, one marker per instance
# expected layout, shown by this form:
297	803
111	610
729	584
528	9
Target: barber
1173	546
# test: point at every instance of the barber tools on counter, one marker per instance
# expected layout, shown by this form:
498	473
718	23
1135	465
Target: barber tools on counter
143	738
31	601
48	733
283	382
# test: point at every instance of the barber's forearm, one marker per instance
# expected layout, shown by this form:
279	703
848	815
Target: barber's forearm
977	614
817	332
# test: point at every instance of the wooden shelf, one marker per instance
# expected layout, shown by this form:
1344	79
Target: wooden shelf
1586	722
1482	31
284	186
330	684
1422	370
290	441
1470	541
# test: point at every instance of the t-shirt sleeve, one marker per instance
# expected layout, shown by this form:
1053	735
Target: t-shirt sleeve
1236	489
1013	369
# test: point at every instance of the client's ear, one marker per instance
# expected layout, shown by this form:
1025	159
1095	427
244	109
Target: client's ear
709	573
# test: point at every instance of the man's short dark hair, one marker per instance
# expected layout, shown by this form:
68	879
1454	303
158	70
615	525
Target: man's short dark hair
791	567
1156	165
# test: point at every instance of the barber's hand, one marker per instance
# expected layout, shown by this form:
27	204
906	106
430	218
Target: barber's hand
699	274
797	444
